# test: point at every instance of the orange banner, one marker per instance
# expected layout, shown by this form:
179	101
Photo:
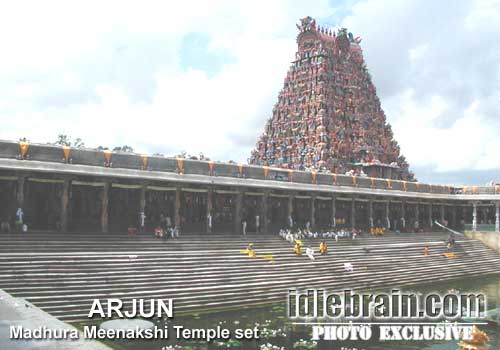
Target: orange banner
464	189
334	179
417	184
290	175
405	185
354	180
313	177
211	167
23	147
240	168
474	189
389	183
144	158
180	165
66	153
496	189
107	157
266	171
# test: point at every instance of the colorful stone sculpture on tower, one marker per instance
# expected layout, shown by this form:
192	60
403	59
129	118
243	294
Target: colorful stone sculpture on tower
328	116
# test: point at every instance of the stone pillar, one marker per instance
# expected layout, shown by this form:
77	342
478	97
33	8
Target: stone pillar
387	220
177	207
474	216
497	216
65	204
403	215
20	191
264	216
104	207
334	212
430	216
353	213
290	210
142	199
238	212
417	215
210	205
370	213
485	215
142	208
313	211
454	217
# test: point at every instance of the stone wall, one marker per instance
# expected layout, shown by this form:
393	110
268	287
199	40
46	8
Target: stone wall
91	157
490	239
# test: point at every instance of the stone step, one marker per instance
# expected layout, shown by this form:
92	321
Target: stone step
201	252
131	289
222	266
229	300
63	276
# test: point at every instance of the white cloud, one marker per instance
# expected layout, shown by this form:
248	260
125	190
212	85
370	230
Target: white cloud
110	73
428	145
51	43
435	66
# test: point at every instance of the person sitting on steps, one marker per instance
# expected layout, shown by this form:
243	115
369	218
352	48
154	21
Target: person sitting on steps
426	251
297	249
323	248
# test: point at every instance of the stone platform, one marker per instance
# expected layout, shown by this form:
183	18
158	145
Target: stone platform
19	312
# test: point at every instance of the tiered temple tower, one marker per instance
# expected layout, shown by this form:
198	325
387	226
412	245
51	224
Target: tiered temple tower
328	116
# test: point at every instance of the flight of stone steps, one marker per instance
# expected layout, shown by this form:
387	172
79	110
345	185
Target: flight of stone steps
63	273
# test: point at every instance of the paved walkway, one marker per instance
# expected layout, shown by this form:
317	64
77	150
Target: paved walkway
18	312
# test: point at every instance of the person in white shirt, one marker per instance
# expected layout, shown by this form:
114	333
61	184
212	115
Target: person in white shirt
348	267
244	224
142	220
19	219
174	232
310	253
209	221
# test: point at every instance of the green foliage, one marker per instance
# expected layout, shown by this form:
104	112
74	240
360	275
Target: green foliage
78	143
305	345
269	346
123	148
230	344
65	140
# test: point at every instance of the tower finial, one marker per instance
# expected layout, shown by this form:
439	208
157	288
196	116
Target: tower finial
306	24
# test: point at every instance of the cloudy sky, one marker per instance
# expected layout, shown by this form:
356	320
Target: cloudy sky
203	75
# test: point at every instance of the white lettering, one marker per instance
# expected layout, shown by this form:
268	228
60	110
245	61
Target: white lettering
96	308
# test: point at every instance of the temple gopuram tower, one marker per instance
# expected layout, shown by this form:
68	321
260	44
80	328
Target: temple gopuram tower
328	116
